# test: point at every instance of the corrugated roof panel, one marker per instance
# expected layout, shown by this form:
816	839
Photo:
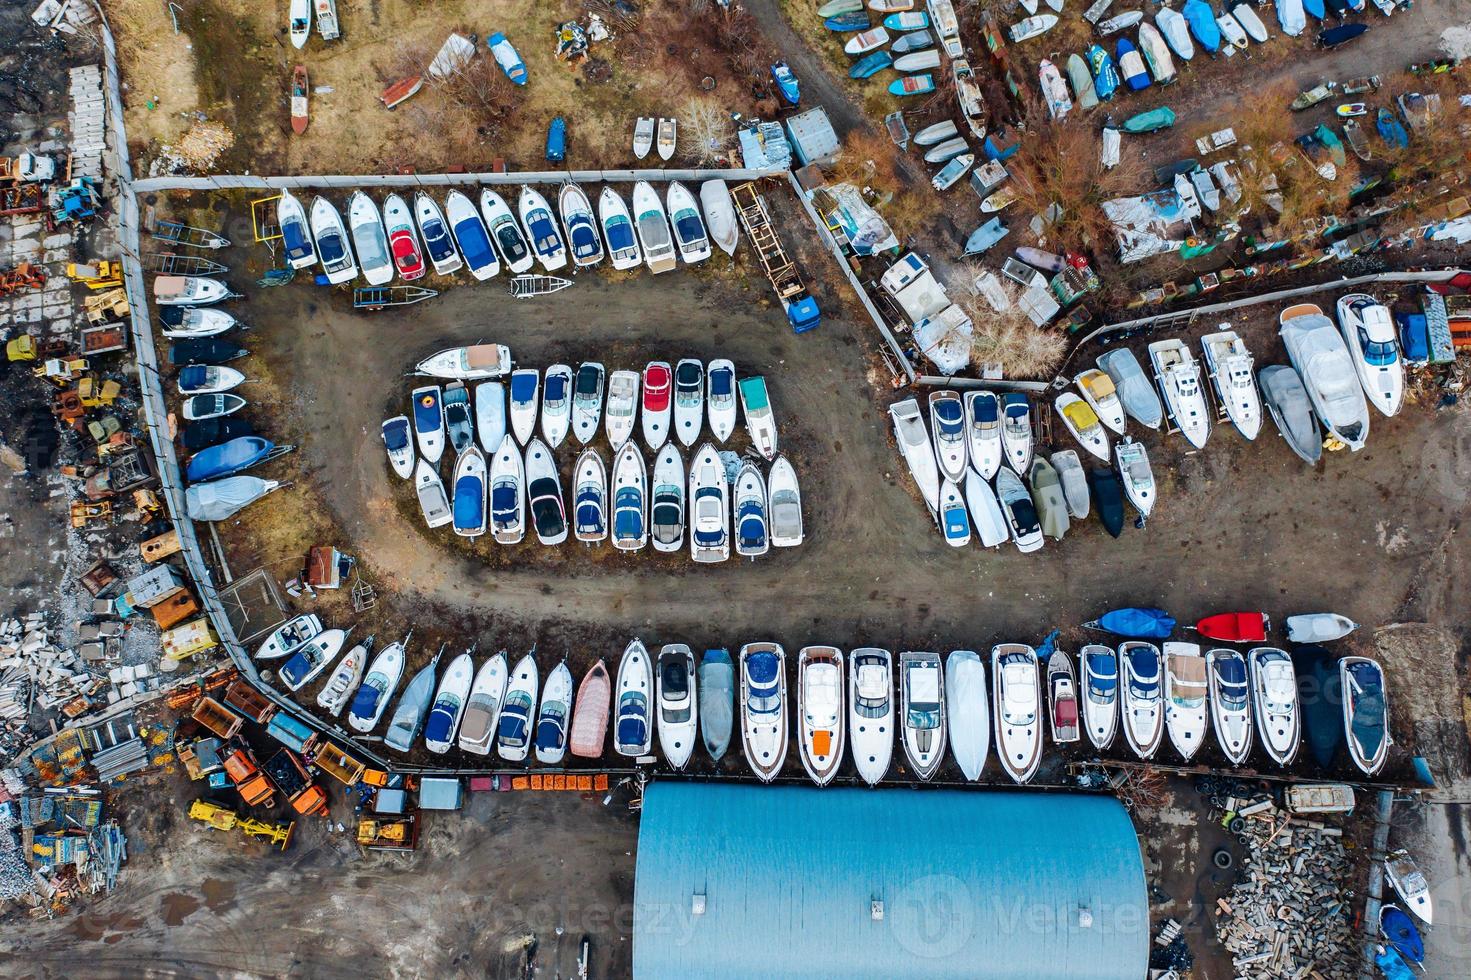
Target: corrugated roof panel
973	884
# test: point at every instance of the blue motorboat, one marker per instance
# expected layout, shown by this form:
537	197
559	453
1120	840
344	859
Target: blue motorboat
854	20
1202	21
1315	7
1131	65
232	457
979	241
1401	932
786	82
871	64
1105	76
1141	623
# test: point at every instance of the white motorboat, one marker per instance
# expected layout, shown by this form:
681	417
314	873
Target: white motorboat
1136	394
508	493
668	135
403	242
720	216
667	501
720	398
922	703
1176	31
490	414
556	404
553	716
623	248
311	658
296	231
689	227
947	420
469	496
1319	627
652	224
525	389
1185	697
587	401
407	720
633	734
1102	396
760	420
1178	375
708	506
748	506
918	452
434	230
400	446
459	422
953	517
630	492
1099	666
189	291
208	379
968	711
373	695
1021	513
1409	883
820	711
763	699
473	363
471	236
344	679
658	402
510	241
301	22
513	733
544	494
1016	431
429	489
1369	334
195	321
784	505
333	250
1322	360
541	229
643	136
675	695
1365	713
1142	704
689	399
590	498
983	432
1250	22
1062	698
1274	696
428	404
871	711
1018	709
985	511
1230	366
1230	702
1136	475
622	409
448	708
483	706
580	225
1083	423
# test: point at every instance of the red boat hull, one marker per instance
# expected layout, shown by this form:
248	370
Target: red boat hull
1245	627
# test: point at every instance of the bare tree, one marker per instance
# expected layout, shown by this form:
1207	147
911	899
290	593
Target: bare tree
1008	340
706	130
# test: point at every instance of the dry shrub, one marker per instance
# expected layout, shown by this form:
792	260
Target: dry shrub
869	159
705	131
1009	339
202	145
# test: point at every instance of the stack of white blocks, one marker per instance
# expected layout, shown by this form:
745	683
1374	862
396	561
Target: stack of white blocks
88	122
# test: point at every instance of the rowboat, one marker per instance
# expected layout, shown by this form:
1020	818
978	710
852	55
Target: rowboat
643	136
507	57
869	40
590	715
299	94
668	135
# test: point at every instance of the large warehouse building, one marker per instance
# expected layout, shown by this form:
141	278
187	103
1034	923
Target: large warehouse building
769	881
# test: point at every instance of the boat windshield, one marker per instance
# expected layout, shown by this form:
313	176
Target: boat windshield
666	516
620	233
1378	353
722	384
556	392
654	230
505	503
628	514
688	381
688	227
923	717
947	415
294	236
508	237
589	381
546	509
436	239
1103	679
544	235
396	434
523	387
334	251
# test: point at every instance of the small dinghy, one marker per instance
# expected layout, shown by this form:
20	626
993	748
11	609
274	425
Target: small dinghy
1287	402
820	711
587	401
556	404
438	241
720	216
835	7
968	711
1081	79
300	95
922	704
1032	27
1083	424
1202	22
471	236
300	22
1136	475
1185	697
760	421
1235	627
1118	23
786	82
1178	375
509	240
1230	702
381	680
748	500
871	711
936	134
1021	512
630	499
716	677
617	224
552	717
763	708
633	735
720	398
985	511
1232	31
784	505
1409	884
658	383
1100	676
296	233
1250	22
508	493
1230	366
907	21
1018	710
643	136
544	494
458	424
709	507
590	498
1142	707
333	250
668	137
581	228
983	432
689	227
429	431
652	225
847	22
469	496
507	57
525	386
953	517
914	445
911	42
1054	90
448	707
667	501
1016	431
983	238
514	731
1365	713
589	728
918	61
490	414
482	713
1108	499
1062	698
1047	497
205	407
946	151
675	696
619	416
912	85
953	171
1319	627
1176	31
344	679
689	400
1399	929
1074	482
541	229
429	489
869	40
1274	693
290	636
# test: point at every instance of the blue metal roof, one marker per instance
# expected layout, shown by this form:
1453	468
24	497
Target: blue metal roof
972	884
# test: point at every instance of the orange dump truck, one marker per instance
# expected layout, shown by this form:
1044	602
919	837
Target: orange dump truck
287	772
254	788
217	718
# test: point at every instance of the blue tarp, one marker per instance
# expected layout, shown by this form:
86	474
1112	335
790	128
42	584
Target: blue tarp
441	717
469	503
1138	623
762	667
1392	965
474	242
619	231
196	375
523	387
428	416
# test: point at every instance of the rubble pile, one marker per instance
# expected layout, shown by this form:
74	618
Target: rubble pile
34	673
1289	916
56	847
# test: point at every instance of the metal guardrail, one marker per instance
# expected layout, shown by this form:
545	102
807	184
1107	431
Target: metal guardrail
225	182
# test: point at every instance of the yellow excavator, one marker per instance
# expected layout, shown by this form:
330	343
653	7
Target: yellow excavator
220	818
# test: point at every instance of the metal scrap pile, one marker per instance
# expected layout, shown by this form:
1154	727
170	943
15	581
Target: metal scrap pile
34	674
56	847
1289	915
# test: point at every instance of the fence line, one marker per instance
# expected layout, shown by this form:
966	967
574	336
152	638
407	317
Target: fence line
221	182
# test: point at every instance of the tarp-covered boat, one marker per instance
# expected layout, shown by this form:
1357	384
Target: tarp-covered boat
1141	623
220	500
